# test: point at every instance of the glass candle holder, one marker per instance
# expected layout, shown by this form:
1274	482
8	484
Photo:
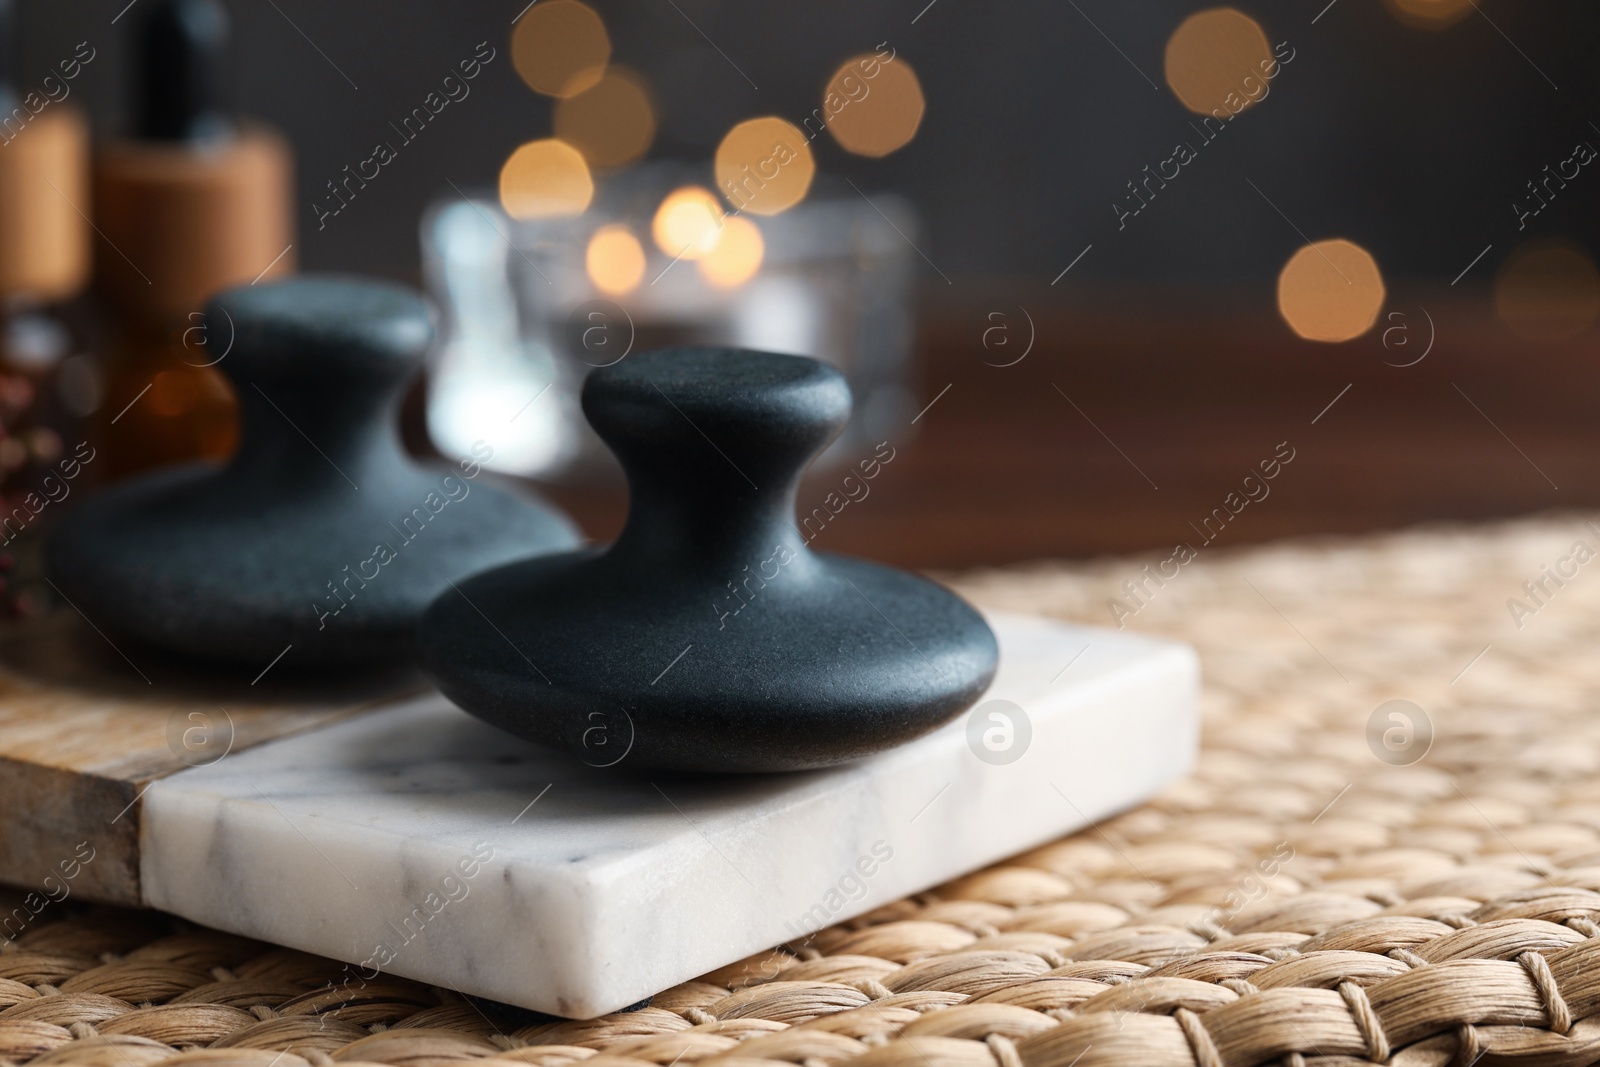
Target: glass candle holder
530	307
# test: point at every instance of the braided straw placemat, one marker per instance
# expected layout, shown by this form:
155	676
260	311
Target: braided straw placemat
1321	891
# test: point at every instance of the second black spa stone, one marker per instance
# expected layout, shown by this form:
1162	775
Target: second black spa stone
709	636
320	533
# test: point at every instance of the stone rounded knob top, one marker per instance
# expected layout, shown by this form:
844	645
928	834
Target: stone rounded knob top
320	539
334	329
323	361
758	407
709	636
713	441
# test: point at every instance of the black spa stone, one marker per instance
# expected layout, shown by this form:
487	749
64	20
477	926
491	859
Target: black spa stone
320	532
709	637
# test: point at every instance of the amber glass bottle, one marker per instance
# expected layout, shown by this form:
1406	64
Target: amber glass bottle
193	203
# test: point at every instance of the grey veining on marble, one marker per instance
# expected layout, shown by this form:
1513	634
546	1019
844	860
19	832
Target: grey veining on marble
418	841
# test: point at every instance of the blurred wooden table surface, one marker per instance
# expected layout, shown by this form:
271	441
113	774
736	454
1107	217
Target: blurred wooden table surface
1124	427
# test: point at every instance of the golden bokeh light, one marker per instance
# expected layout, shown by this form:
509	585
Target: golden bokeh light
1548	291
1430	14
688	223
614	260
737	254
1219	62
543	179
1330	291
560	47
872	107
612	122
764	166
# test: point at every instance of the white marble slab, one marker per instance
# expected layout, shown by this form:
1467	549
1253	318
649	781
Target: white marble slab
420	842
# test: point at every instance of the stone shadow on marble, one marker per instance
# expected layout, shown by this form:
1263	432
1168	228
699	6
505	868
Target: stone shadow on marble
467	768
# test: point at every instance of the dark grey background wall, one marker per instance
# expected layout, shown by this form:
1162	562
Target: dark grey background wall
1414	143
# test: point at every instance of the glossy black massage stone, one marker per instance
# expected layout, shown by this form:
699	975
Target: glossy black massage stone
709	637
320	532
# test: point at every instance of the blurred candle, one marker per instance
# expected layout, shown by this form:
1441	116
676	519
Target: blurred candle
688	223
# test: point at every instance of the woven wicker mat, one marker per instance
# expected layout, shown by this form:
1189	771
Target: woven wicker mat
1300	900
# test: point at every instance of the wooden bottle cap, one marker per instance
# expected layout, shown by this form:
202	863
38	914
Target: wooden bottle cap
192	203
185	220
44	201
